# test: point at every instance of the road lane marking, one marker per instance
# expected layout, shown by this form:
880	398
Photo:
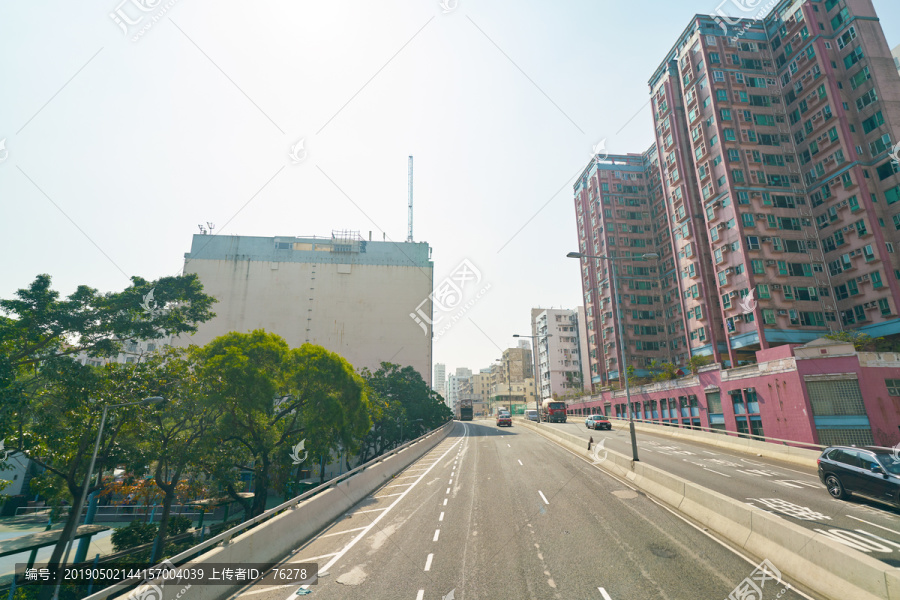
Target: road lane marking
708	452
390	495
872	524
543	497
264	589
520	462
509	446
450	482
420	595
399	484
428	562
405	476
359	512
445	502
337	556
441	518
341	532
604	594
448	491
437	533
716	472
312	558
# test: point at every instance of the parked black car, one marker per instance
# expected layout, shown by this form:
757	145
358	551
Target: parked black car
868	471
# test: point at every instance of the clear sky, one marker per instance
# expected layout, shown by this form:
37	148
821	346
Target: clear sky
119	146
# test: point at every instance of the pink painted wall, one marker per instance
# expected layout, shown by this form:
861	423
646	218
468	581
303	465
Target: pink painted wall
784	408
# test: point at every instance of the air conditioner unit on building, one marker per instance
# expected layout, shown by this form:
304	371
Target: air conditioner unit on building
782	312
766	239
770	263
863	277
738	318
776	286
729	271
760	216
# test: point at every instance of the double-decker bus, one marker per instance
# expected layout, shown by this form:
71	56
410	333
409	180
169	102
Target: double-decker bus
465	410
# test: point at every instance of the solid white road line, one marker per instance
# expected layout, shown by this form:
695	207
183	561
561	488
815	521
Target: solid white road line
399	484
520	462
311	559
428	562
390	495
342	532
337	556
437	533
543	497
420	595
263	589
441	518
716	472
872	524
359	512
604	594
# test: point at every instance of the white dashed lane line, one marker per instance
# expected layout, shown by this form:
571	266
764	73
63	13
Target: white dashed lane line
441	518
520	462
445	502
437	533
543	497
420	595
428	562
604	594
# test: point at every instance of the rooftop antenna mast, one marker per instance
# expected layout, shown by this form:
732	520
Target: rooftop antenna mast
409	237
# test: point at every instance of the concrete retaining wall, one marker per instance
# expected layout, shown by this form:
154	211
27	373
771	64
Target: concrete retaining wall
799	456
829	568
276	538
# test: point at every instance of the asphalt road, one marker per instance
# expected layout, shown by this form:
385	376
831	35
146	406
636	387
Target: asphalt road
787	490
504	514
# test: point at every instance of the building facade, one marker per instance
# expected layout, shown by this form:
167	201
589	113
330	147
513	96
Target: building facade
822	392
440	377
770	194
559	362
367	301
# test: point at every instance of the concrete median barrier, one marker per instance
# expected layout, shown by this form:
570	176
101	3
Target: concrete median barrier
825	566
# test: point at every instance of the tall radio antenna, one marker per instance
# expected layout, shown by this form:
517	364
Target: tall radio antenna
409	237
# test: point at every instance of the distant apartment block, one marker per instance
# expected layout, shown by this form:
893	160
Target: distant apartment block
352	296
440	377
558	342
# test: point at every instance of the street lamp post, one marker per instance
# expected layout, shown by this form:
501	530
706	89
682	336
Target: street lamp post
87	480
623	368
534	342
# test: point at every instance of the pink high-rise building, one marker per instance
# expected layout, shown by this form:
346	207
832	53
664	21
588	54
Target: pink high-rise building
771	194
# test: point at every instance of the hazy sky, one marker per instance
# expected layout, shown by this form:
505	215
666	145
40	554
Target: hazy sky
119	146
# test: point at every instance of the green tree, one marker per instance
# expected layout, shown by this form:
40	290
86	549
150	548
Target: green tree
405	398
173	436
861	341
50	406
698	361
274	398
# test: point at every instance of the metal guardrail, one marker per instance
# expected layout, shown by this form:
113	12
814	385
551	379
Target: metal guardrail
710	430
130	510
226	536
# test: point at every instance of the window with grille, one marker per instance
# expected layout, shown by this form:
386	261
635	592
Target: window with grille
893	386
835	398
845	437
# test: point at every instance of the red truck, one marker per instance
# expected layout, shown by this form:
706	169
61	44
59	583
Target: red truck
553	411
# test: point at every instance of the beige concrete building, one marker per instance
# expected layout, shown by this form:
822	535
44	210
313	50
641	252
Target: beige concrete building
367	301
